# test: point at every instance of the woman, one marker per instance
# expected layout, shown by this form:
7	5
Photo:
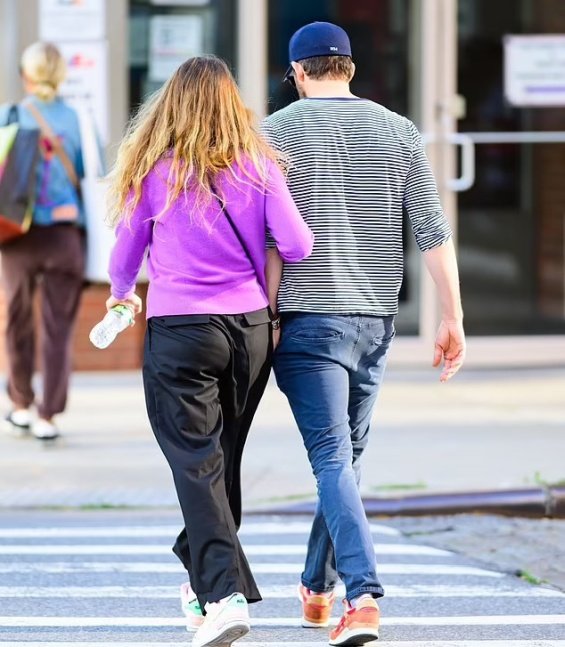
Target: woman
198	188
51	255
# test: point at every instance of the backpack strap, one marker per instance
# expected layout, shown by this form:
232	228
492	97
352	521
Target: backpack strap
13	116
48	133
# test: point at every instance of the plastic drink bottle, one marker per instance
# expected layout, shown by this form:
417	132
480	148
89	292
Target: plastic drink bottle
117	319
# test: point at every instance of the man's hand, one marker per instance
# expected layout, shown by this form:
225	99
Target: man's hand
276	338
450	345
133	301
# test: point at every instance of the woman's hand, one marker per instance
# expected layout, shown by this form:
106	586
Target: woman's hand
132	301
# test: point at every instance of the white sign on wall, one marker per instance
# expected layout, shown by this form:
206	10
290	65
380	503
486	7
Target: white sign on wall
61	20
534	70
86	83
173	39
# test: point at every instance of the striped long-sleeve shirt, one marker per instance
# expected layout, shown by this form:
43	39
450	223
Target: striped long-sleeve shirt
353	167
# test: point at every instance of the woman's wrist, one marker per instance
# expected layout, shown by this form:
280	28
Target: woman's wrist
276	321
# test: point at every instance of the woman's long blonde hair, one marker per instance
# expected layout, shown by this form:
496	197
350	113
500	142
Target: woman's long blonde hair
43	66
199	121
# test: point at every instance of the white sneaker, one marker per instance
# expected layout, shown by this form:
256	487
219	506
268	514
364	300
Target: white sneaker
224	622
18	421
44	430
190	607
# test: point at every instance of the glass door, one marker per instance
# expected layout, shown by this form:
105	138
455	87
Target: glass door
164	33
511	221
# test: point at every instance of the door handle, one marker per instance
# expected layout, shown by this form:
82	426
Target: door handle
467	145
467	178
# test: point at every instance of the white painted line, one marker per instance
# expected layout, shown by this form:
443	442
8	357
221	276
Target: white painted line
271	592
76	532
272	568
157	549
443	621
381	643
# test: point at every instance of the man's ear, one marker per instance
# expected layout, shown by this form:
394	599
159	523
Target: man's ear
298	71
353	68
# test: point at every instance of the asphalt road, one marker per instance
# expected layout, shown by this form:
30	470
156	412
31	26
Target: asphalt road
109	578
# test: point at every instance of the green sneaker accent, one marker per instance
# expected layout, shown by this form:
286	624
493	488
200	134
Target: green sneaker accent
192	607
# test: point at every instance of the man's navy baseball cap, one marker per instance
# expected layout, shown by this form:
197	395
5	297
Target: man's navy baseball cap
317	39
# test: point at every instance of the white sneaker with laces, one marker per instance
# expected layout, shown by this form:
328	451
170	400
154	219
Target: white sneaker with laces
224	622
44	430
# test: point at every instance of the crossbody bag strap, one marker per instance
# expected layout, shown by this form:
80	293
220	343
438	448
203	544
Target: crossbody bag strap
47	132
239	236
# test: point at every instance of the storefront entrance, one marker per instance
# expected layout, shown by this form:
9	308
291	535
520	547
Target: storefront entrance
511	233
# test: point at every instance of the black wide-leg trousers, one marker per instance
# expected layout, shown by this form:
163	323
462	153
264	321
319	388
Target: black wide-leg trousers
204	376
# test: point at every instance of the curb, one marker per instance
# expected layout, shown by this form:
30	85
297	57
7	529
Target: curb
535	502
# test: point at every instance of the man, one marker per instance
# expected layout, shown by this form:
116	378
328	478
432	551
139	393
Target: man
353	166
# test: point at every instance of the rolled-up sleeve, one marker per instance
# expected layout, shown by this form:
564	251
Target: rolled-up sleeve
292	236
421	199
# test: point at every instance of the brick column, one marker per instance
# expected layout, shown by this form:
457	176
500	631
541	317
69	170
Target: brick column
124	354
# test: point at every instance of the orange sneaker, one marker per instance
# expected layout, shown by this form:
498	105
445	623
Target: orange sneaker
316	607
358	625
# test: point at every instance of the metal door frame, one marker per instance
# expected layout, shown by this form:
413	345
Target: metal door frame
435	104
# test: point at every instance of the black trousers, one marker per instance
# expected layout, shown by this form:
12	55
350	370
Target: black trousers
204	376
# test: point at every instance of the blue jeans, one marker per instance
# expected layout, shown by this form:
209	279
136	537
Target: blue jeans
330	368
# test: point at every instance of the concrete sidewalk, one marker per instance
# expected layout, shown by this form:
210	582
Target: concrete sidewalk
486	430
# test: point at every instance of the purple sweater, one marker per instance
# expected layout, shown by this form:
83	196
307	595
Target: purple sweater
196	265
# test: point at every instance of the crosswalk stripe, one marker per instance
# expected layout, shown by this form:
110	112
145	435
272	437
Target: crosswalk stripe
257	568
157	549
381	643
266	528
269	592
429	621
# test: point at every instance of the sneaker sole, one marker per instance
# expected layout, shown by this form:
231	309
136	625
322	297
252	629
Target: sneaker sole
356	637
229	634
308	624
47	439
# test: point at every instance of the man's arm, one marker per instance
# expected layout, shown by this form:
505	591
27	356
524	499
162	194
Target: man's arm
450	339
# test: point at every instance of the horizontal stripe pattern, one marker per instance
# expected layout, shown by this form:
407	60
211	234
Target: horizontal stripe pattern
113	532
276	568
381	643
133	621
353	168
158	549
42	605
267	592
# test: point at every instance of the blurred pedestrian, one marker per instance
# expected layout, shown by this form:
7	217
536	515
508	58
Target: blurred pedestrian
353	167
199	189
50	256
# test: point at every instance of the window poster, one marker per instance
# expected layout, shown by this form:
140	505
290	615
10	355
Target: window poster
173	39
62	20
